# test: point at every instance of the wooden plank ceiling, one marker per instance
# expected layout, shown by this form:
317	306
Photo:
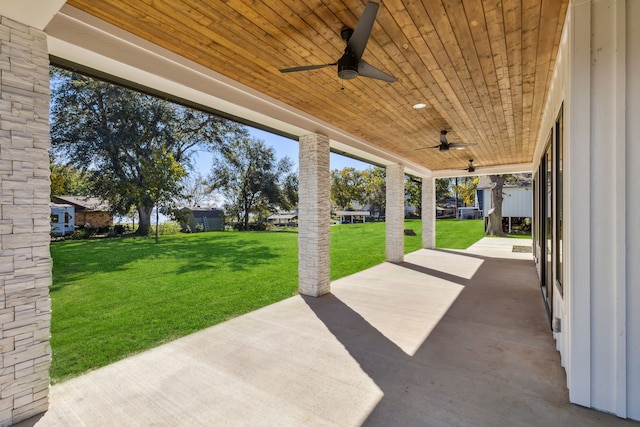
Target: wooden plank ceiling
482	67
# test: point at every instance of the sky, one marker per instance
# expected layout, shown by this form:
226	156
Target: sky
283	147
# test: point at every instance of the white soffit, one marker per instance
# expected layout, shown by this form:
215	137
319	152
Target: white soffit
33	13
83	39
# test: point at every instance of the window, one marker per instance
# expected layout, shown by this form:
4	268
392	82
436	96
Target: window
558	253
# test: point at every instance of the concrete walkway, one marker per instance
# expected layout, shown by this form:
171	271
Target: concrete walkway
447	338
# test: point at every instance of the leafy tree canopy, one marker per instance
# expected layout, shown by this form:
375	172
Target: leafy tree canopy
466	190
443	189
375	189
250	178
347	186
289	194
413	192
134	148
67	180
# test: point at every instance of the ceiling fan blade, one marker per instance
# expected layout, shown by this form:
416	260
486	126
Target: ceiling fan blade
367	70
305	68
358	41
460	144
424	148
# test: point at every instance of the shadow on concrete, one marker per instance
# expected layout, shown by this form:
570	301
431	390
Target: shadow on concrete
490	361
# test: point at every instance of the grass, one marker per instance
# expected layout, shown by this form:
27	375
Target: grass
115	297
455	234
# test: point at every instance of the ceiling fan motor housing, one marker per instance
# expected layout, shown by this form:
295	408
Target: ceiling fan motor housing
348	66
346	34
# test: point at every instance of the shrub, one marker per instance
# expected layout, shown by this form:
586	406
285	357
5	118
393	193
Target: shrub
168	228
253	226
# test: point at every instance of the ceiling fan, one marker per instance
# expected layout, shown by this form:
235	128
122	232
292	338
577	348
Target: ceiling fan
445	145
470	168
351	65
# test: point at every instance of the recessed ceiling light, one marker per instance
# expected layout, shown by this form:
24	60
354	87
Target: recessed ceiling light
419	106
460	148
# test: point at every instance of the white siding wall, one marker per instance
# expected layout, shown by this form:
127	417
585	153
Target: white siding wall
517	202
597	77
632	219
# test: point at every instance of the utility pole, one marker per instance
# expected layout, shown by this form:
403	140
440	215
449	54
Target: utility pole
455	190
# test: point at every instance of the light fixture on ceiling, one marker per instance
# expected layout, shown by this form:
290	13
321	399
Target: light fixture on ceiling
419	106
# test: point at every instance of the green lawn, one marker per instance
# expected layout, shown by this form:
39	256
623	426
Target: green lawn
115	297
455	234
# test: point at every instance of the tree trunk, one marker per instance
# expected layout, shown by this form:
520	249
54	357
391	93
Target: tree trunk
245	220
144	221
495	213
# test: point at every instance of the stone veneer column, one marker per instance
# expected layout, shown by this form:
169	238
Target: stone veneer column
428	213
314	211
395	213
25	263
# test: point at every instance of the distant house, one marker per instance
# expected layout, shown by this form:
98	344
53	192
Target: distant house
517	205
201	219
445	212
349	217
284	219
90	212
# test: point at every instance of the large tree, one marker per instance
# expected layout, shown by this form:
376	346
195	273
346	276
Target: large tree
289	194
133	147
413	192
443	189
196	192
466	189
249	176
495	213
347	186
375	189
497	196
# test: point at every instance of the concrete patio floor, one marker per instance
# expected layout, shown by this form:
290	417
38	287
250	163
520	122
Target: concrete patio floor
447	338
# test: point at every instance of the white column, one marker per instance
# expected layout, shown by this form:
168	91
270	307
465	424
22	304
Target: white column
25	263
632	218
394	213
577	174
428	213
314	211
608	240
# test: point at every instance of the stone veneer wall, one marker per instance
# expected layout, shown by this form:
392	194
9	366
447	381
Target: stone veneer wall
314	212
25	263
395	213
428	213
